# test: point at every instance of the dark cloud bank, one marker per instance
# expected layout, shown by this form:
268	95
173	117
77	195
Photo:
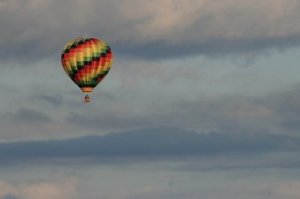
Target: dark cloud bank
150	143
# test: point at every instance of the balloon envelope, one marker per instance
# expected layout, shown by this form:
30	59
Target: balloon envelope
87	61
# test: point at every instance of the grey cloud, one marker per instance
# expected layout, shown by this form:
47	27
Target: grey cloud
214	47
107	119
27	115
150	143
54	100
166	194
277	112
285	109
155	29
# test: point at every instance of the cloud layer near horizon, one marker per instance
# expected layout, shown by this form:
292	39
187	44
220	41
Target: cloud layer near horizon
210	150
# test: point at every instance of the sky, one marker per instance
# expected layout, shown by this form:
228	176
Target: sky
201	102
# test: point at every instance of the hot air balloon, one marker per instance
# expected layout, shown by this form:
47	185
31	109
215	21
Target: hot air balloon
86	61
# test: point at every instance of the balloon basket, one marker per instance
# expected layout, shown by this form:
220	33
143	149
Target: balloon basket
87	99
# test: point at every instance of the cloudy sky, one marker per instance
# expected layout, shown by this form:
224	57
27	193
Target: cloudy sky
202	101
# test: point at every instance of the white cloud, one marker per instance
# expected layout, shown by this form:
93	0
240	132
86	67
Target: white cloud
288	190
6	189
37	190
